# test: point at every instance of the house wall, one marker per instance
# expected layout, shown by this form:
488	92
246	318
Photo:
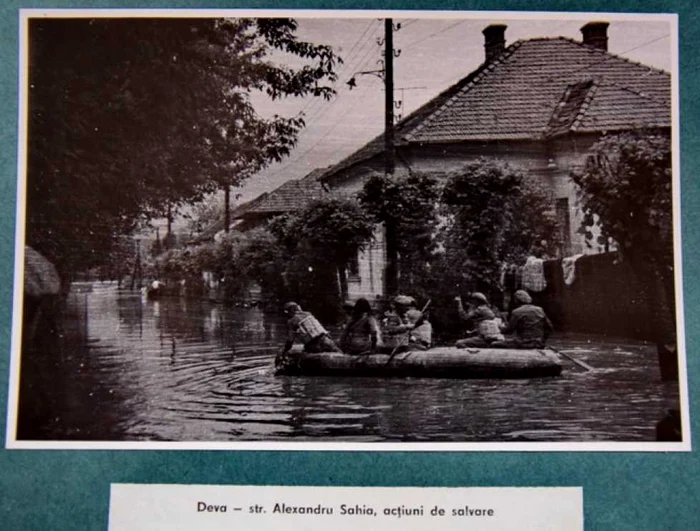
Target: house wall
550	163
369	282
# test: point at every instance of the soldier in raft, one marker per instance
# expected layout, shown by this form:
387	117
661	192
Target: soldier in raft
362	331
528	324
396	326
421	336
482	318
306	328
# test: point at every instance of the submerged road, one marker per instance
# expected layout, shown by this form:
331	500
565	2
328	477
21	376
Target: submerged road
182	370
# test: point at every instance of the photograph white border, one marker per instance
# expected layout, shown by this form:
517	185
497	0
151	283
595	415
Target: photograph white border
11	441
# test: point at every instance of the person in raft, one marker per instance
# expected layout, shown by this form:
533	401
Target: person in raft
362	332
347	307
303	326
421	336
396	326
482	318
528	324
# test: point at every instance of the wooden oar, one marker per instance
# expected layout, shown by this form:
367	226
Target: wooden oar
393	352
572	359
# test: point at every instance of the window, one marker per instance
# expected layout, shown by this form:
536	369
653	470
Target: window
353	267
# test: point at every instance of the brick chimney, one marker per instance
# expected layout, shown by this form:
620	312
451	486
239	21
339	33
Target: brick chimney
494	40
595	34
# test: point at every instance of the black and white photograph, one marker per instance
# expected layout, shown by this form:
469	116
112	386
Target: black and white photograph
348	230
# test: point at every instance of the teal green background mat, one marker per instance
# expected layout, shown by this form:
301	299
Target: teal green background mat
622	490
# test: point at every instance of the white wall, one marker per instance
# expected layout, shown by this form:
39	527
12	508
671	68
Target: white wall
550	163
369	283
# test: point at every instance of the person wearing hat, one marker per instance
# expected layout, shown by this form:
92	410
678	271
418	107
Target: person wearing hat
396	326
485	328
303	326
421	336
362	332
528	325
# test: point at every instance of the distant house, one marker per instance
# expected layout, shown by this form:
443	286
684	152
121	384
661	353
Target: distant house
539	104
292	196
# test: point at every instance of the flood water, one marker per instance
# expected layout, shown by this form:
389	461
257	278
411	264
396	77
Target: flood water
129	369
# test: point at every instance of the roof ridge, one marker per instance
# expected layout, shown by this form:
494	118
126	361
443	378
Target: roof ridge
582	63
480	73
610	55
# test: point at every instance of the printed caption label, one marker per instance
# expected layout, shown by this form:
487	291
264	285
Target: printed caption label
212	508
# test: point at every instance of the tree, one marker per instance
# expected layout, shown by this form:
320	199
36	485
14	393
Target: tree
494	214
407	206
203	215
129	118
330	232
625	191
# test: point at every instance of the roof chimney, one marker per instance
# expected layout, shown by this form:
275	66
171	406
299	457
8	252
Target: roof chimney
494	40
595	34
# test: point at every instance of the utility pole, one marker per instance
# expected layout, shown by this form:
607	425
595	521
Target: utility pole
389	147
391	281
391	273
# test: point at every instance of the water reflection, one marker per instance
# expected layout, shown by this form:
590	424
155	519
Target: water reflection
192	370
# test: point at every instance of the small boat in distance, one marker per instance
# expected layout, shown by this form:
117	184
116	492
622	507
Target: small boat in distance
439	362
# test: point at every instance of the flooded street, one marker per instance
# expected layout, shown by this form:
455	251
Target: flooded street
183	370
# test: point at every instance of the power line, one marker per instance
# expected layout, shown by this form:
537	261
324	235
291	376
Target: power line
443	30
346	63
320	110
337	122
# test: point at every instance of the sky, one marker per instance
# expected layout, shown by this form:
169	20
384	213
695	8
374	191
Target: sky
434	54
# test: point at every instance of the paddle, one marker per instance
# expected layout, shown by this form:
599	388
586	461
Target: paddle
393	352
572	359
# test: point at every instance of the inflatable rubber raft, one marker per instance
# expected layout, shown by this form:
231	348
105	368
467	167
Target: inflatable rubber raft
440	362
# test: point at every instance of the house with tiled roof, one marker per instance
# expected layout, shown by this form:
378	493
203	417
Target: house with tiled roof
292	196
539	104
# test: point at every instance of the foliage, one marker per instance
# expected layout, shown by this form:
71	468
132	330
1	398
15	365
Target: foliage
119	263
458	235
131	117
301	256
338	228
494	214
320	241
409	205
263	260
203	215
185	263
625	190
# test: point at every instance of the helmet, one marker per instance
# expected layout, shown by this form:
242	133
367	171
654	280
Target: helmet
404	300
522	296
414	315
291	307
476	296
